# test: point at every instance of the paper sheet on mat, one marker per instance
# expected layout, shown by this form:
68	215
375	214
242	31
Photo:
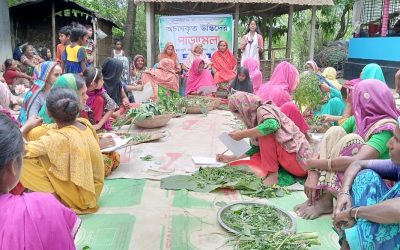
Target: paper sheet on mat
206	161
144	95
238	148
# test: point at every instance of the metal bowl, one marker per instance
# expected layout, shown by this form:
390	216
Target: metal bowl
284	214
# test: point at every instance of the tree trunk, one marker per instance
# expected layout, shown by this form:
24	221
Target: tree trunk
343	23
130	27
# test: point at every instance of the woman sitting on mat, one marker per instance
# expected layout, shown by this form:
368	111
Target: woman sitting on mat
196	52
373	71
367	207
255	74
276	141
198	77
223	63
164	80
363	136
66	161
242	81
279	90
31	220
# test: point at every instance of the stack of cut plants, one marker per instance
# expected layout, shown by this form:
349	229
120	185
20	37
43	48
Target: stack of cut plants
199	104
259	226
148	115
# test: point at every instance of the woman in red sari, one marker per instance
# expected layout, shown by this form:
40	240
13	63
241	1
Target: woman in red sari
223	63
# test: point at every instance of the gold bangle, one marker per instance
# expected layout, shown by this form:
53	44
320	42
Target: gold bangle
355	215
330	165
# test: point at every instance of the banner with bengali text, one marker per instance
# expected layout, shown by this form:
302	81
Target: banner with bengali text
184	31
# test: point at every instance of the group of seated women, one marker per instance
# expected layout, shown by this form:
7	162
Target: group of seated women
357	163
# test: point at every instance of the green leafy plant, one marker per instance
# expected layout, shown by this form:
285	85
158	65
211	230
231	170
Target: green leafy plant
308	93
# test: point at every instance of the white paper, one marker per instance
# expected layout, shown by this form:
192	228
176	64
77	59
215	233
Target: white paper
206	161
206	90
144	95
238	148
119	143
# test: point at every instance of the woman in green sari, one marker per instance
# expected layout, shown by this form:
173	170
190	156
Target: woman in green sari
70	81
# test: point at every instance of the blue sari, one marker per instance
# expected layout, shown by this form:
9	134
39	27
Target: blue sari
369	189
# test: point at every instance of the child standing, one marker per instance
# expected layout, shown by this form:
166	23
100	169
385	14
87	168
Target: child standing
117	51
63	35
90	46
74	55
101	105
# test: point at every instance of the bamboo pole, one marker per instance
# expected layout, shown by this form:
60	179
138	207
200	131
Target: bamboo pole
236	31
289	33
53	28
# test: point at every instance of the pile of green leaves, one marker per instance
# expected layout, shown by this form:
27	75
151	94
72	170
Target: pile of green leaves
172	104
255	219
276	241
213	178
145	111
197	101
308	93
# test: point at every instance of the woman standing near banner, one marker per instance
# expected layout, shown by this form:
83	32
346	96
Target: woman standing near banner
252	43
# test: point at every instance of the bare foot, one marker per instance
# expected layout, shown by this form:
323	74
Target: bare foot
324	205
271	179
301	206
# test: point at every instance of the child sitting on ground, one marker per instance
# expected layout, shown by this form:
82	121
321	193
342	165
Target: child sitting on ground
63	35
30	220
100	103
65	161
74	55
15	79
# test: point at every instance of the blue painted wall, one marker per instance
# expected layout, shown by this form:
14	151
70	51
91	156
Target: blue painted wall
375	48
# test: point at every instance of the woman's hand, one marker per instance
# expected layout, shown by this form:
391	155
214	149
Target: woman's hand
97	127
343	202
343	219
310	186
106	142
236	135
33	122
325	88
226	158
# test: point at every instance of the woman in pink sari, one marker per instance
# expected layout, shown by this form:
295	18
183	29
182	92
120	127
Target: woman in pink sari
255	74
279	90
223	63
198	77
34	221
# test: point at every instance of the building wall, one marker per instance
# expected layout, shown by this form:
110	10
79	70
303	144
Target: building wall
104	46
5	34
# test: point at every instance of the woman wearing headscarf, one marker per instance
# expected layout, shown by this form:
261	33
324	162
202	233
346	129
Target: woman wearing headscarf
198	76
373	71
311	66
276	141
46	75
71	81
242	81
169	53
112	70
164	80
138	67
330	75
363	136
223	63
255	74
196	52
279	90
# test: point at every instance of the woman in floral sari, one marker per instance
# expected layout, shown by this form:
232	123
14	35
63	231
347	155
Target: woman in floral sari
363	136
223	63
164	80
169	53
276	141
366	213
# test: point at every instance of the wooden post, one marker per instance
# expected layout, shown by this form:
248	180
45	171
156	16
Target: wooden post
150	34
236	31
289	33
312	36
385	17
270	33
53	28
96	50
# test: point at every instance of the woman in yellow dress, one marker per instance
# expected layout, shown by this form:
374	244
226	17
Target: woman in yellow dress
64	158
